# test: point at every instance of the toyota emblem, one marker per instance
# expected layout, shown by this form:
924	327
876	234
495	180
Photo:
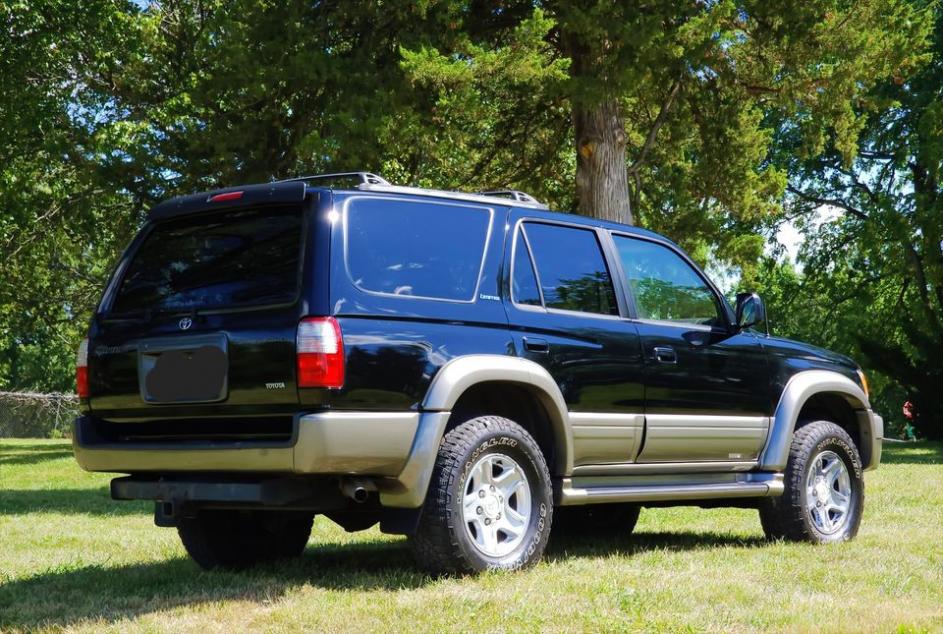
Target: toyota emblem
185	323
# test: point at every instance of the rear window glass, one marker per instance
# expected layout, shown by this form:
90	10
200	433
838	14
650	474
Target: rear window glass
416	249
237	259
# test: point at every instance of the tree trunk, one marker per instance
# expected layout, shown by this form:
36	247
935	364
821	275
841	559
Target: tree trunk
602	183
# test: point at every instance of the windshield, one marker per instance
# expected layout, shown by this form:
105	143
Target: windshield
242	258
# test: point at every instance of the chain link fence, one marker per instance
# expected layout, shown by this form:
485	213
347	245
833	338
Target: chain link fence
37	414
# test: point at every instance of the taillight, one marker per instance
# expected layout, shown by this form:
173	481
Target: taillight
81	370
320	350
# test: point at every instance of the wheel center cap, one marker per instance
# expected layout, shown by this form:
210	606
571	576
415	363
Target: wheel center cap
491	506
821	492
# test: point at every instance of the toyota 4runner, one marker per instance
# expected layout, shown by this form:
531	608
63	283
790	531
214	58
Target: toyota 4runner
464	369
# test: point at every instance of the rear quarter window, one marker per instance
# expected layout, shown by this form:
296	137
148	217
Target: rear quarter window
416	249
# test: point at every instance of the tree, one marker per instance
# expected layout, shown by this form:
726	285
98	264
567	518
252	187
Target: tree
671	108
62	220
658	113
877	266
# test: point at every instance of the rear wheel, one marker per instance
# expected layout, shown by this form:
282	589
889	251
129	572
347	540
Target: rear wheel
239	539
611	520
824	488
489	504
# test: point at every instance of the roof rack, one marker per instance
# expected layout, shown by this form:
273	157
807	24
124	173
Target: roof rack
513	194
369	181
366	178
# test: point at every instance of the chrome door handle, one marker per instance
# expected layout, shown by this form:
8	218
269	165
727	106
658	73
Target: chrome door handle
665	354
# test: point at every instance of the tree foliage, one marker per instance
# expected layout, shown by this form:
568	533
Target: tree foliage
63	218
873	221
706	111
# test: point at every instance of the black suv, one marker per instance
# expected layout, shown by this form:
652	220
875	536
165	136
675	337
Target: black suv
464	369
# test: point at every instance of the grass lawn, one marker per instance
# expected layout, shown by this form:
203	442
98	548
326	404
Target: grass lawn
70	558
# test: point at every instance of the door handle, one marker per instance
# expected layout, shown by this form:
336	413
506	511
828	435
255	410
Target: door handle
666	354
536	345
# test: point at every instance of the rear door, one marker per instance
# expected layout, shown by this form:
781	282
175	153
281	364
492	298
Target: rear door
200	320
706	385
566	315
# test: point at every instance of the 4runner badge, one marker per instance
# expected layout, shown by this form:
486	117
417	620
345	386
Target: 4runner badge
185	323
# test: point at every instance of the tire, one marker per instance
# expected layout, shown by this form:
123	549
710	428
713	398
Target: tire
495	461
239	539
610	520
823	498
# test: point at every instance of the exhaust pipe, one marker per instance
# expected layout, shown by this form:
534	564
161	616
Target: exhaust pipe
357	490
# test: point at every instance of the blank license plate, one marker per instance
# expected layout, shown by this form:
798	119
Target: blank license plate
190	370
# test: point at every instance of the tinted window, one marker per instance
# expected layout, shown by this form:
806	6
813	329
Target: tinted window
571	269
416	249
523	280
243	258
664	285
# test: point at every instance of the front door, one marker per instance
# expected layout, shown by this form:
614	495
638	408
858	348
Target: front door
706	385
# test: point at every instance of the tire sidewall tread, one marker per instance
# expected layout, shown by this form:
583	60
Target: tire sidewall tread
786	517
440	545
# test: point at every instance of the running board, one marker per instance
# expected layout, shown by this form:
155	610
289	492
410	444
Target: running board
756	485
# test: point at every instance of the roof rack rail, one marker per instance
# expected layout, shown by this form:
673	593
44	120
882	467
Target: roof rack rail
369	181
366	178
513	194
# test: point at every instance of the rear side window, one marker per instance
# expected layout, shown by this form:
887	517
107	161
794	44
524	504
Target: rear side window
416	249
665	287
239	258
571	269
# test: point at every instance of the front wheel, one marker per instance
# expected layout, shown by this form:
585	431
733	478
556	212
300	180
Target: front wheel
824	488
489	504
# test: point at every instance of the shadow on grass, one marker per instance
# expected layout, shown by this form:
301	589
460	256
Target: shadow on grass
60	598
21	444
564	546
95	501
32	454
913	453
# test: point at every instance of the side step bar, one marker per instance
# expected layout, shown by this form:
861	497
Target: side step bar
573	493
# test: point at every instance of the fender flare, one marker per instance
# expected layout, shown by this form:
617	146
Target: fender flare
800	388
453	380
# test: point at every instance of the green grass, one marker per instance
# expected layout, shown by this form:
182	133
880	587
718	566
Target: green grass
70	558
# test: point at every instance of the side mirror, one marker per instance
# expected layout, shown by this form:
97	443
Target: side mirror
750	310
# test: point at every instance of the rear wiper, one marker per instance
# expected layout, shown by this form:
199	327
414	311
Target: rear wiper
148	314
130	315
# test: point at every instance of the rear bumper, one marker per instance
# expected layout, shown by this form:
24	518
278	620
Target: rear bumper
375	443
388	447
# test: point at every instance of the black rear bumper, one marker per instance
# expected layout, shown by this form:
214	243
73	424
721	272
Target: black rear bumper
181	496
269	492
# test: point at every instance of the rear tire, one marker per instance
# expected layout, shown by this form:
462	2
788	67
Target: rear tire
824	488
489	503
239	539
610	520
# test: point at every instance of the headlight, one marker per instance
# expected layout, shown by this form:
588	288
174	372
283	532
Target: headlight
864	383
